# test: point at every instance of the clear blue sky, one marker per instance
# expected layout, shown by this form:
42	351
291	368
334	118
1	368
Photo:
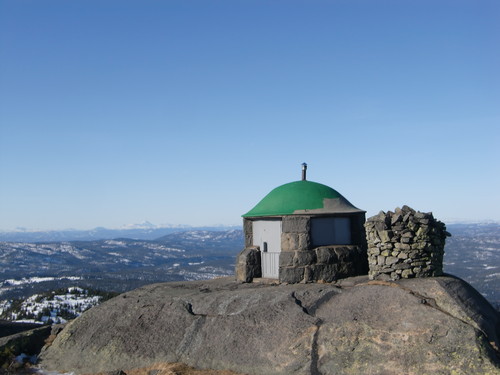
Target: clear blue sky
189	112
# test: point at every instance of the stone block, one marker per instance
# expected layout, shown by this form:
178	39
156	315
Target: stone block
413	226
421	245
375	268
381	260
325	272
386	235
291	275
418	263
326	255
289	241
342	252
286	258
248	240
296	224
387	246
419	215
391	260
418	270
304	258
295	241
248	265
422	231
402	266
396	218
398	227
429	268
380	226
374	251
247	226
402	246
413	254
406	274
345	269
311	272
407	233
248	231
304	241
308	275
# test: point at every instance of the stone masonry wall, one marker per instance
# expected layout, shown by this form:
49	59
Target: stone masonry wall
322	264
301	263
298	261
405	244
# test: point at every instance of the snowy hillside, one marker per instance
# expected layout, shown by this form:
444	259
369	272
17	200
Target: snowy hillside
116	264
51	307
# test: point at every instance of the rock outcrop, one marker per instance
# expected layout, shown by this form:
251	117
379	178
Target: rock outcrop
437	325
28	342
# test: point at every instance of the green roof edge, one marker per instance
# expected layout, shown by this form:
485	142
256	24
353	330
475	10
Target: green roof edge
293	196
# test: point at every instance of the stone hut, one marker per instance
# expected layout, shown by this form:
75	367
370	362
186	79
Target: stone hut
405	244
303	231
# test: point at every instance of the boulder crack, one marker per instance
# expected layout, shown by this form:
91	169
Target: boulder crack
189	308
314	370
320	301
298	302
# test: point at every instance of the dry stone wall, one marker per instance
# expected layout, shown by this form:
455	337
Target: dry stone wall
405	244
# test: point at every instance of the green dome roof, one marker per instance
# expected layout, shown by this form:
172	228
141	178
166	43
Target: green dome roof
302	197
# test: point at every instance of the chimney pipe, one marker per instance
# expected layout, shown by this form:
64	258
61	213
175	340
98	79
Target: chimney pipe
304	169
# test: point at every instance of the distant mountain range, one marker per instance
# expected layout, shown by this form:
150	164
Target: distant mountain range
119	262
116	264
143	231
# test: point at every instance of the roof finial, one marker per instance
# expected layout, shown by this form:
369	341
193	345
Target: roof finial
304	169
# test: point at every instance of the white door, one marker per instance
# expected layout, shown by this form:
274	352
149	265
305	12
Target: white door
267	235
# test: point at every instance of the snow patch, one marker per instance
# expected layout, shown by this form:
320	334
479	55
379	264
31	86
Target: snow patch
33	280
